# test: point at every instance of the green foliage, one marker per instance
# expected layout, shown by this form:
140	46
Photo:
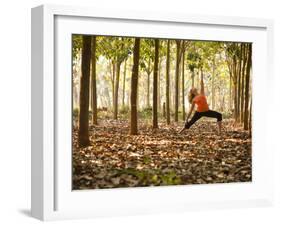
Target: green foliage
76	45
201	54
116	49
170	178
233	49
145	113
147	55
152	177
193	59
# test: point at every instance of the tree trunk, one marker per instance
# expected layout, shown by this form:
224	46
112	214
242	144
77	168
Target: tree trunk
182	87
242	98
164	110
247	84
116	89
235	100
239	83
243	83
238	97
155	83
83	135
113	81
134	85
235	87
168	83
148	86
94	84
124	84
177	80
213	84
158	88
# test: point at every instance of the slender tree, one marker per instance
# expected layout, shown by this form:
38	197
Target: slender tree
182	85
116	89
134	85
239	82
124	84
247	84
232	54
213	81
159	82
178	44
113	75
155	84
235	87
168	83
120	56
148	85
243	83
164	110
94	83
83	134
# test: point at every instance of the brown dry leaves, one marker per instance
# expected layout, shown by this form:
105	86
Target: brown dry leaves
162	156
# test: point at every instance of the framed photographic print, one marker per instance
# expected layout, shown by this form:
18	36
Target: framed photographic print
144	112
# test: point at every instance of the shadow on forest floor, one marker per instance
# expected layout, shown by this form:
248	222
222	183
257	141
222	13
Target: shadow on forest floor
162	156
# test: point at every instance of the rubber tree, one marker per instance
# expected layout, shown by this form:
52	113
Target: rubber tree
83	134
247	87
124	84
178	44
182	85
168	83
134	85
94	83
155	85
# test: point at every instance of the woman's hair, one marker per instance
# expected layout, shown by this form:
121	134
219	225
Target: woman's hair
191	95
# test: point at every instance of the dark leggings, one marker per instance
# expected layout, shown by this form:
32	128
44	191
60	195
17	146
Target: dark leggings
197	115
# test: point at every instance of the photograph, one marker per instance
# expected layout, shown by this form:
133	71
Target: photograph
150	111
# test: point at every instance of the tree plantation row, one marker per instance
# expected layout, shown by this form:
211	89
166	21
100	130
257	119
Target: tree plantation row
121	75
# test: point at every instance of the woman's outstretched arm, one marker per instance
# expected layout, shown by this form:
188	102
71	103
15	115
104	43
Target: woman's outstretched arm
188	115
202	92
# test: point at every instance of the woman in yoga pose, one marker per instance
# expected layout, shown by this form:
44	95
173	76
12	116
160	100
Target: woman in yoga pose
200	100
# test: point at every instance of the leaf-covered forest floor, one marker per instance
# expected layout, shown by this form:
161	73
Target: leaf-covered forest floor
161	156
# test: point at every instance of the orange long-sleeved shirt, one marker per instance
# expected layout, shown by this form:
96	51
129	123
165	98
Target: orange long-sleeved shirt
201	103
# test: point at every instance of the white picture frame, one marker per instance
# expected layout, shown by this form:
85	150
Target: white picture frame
52	197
